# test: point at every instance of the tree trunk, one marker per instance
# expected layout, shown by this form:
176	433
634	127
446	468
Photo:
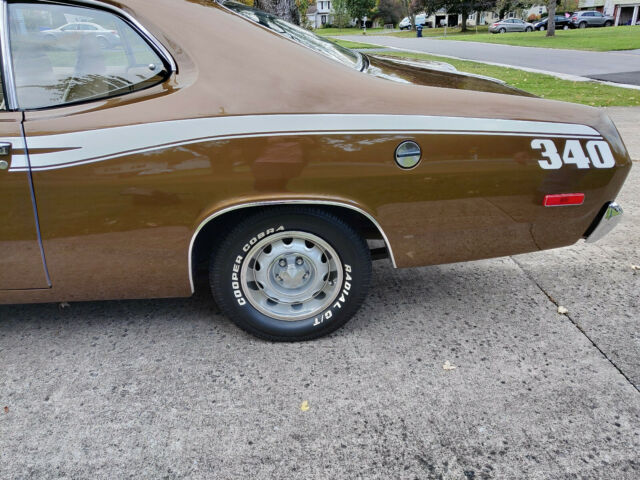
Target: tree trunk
284	9
551	15
463	27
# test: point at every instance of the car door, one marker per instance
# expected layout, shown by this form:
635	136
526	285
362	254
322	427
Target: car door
106	210
598	19
21	259
519	25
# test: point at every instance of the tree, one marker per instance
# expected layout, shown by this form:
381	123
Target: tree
359	8
303	6
341	15
505	6
551	15
284	9
390	11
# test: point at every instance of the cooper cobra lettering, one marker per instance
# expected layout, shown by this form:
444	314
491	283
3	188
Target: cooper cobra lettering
235	280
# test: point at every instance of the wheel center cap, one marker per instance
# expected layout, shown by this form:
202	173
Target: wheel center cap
292	276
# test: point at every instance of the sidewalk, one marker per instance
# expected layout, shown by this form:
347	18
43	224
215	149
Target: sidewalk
627	119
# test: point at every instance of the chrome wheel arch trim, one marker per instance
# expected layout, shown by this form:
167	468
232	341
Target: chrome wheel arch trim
267	203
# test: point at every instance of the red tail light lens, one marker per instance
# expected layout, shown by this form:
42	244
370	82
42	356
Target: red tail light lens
563	199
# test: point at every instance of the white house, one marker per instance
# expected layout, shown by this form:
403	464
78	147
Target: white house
320	14
626	12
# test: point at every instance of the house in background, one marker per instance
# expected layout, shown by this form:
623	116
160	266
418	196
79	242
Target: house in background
591	5
626	12
320	14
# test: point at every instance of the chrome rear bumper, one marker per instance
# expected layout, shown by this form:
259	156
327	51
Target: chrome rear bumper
609	219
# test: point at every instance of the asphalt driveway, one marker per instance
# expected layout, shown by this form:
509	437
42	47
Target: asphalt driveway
618	66
170	389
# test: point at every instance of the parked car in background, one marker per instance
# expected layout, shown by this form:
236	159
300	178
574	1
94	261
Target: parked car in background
106	38
511	25
590	18
562	22
405	23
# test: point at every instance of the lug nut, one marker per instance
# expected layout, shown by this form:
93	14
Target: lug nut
299	261
282	262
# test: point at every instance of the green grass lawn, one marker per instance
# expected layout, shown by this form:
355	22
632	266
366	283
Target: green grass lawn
545	86
354	45
598	39
334	32
439	32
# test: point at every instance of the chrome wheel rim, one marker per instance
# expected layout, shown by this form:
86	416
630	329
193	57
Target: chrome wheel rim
291	275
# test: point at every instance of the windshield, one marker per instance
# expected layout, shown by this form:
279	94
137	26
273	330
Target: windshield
299	35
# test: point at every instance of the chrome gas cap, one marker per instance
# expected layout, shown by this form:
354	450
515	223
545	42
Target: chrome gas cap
408	154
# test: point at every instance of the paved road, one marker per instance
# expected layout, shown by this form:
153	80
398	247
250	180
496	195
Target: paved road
170	389
620	67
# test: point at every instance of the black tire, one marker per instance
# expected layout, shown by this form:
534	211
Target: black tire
246	241
582	25
542	28
528	29
502	30
608	23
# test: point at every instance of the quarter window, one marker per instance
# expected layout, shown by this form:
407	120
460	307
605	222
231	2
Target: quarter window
2	103
65	54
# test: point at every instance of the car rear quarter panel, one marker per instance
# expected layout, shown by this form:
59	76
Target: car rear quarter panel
121	226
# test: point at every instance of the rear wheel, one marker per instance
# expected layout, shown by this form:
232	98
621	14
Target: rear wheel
608	23
528	29
291	274
543	28
582	25
502	30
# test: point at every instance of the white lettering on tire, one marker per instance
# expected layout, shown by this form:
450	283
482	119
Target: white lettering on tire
346	288
237	264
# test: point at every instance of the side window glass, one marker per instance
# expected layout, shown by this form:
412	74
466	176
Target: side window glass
2	102
64	54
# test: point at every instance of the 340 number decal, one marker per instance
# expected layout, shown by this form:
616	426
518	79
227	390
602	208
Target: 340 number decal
598	154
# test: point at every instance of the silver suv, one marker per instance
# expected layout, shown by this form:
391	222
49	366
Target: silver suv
590	18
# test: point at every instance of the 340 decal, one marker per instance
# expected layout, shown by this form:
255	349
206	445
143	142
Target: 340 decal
598	154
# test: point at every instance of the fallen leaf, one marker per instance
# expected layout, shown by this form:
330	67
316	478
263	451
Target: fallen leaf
635	267
6	409
304	406
448	366
562	310
63	305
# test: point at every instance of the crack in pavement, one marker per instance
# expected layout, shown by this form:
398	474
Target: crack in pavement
555	302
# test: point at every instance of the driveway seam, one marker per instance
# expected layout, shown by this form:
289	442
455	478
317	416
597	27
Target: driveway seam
580	329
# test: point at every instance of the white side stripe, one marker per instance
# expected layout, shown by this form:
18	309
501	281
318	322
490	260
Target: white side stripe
102	144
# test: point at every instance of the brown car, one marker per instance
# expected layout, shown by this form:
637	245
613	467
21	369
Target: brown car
202	140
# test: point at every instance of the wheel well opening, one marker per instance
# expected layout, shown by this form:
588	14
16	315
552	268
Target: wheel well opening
212	234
